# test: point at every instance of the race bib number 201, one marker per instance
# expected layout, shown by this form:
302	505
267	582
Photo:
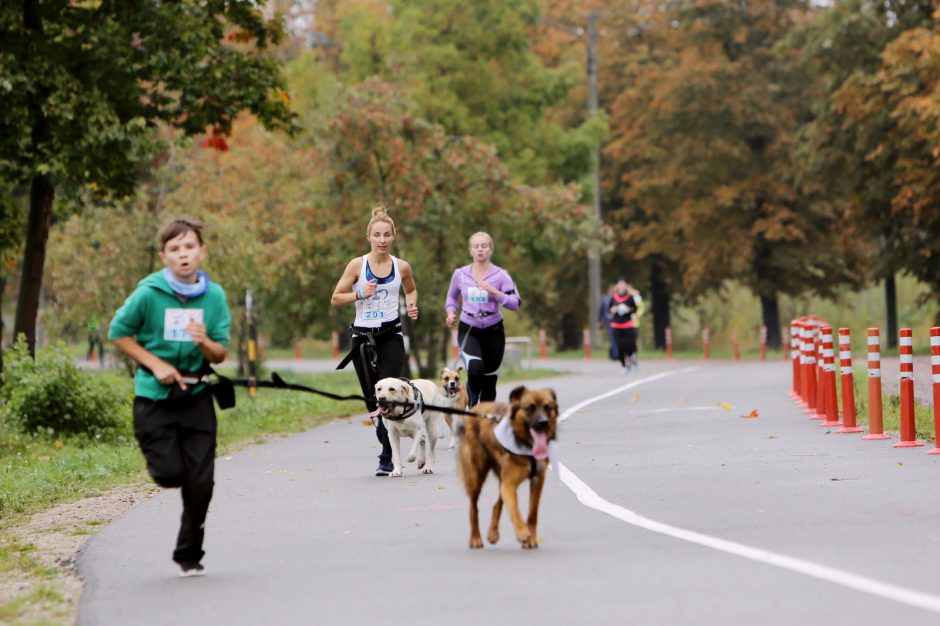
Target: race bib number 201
175	322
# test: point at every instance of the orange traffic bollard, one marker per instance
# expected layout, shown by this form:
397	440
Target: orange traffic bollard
906	383
543	351
763	343
848	384
297	355
935	375
735	347
794	349
820	379
669	342
587	344
808	351
829	379
335	341
875	419
706	340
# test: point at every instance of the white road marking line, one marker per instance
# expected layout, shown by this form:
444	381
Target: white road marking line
590	498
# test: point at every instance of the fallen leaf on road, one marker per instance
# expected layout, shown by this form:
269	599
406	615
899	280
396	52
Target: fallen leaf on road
636	397
367	422
900	464
751	415
727	406
771	436
441	487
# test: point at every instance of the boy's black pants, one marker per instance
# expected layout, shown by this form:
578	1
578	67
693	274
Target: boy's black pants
177	438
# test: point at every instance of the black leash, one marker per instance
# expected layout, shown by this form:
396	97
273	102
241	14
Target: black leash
277	382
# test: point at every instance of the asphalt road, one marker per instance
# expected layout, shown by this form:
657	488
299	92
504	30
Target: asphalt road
700	516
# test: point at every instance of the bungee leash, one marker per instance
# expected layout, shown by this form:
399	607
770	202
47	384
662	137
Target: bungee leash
223	390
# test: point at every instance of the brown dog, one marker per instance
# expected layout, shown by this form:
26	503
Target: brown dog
455	394
532	416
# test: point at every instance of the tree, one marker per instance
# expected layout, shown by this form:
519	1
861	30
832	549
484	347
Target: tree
85	83
904	90
704	140
853	156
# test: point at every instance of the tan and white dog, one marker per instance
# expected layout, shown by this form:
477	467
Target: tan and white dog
455	396
425	427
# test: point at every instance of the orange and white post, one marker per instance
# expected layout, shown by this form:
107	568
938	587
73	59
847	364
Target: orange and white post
669	342
543	350
587	344
706	341
875	419
794	349
906	391
849	424
334	339
808	351
829	379
735	346
820	375
763	343
935	374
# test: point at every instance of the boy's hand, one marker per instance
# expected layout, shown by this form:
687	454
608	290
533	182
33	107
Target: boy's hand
198	332
167	374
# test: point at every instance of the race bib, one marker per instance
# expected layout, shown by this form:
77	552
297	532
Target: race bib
476	295
175	322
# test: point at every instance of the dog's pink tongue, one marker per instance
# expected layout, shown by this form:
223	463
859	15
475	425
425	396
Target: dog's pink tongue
539	444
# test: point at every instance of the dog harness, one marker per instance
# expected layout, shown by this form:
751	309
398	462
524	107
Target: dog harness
508	440
415	408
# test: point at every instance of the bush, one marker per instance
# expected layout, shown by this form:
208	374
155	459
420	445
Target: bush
50	395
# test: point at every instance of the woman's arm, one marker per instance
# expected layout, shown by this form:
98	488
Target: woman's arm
509	298
410	289
343	293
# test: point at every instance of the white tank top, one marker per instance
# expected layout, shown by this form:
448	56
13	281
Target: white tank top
383	306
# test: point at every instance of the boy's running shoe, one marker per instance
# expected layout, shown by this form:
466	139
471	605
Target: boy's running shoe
191	569
635	361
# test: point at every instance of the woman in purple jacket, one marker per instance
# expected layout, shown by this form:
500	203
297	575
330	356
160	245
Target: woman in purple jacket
482	288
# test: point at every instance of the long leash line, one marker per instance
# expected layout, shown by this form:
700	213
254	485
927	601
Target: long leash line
277	382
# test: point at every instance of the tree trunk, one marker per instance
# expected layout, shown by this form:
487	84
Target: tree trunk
659	293
3	286
891	310
34	258
770	313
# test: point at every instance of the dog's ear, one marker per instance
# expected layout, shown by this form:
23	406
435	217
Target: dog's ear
459	368
516	393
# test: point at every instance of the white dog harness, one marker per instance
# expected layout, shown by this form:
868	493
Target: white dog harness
507	438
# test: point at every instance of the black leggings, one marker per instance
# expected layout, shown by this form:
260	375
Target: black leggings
626	343
482	355
390	357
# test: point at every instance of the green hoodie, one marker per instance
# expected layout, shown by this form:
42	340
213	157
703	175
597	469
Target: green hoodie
154	316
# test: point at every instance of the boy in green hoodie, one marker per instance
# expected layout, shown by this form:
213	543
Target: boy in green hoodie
173	324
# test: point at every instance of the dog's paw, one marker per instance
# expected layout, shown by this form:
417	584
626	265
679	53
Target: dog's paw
395	474
427	470
493	536
476	543
524	537
420	464
531	543
453	444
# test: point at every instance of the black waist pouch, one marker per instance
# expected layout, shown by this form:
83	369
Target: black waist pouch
221	387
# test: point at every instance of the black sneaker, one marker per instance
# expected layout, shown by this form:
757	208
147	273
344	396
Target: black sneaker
191	569
384	469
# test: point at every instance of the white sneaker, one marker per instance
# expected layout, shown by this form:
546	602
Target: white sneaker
191	569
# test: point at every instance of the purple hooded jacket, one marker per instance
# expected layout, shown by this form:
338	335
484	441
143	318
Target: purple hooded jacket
480	309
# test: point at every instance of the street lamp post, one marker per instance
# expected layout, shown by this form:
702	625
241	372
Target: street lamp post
594	255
